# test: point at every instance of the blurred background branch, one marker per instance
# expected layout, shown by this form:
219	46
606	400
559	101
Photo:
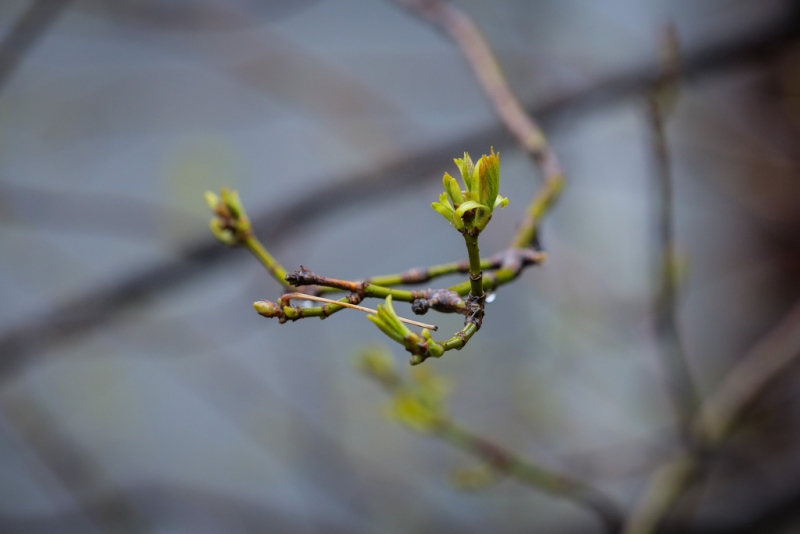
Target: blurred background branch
34	23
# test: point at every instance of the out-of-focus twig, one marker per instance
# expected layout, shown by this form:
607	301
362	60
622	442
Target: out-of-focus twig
767	361
672	478
28	29
74	468
463	31
663	490
661	100
420	405
704	424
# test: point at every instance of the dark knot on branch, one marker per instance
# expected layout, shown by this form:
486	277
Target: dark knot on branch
303	277
441	300
475	306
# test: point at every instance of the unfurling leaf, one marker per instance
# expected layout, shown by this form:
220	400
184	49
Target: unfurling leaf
451	187
466	167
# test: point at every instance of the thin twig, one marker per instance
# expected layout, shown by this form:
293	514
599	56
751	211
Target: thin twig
289	296
514	466
420	275
29	28
766	362
433	419
662	492
70	465
668	482
508	264
274	268
682	390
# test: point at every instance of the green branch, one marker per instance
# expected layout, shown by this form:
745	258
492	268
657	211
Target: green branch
475	272
231	225
274	268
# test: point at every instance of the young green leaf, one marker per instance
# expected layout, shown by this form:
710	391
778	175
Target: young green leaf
467	169
445	209
469	205
451	186
489	178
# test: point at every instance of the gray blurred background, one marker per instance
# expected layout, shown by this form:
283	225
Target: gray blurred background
139	391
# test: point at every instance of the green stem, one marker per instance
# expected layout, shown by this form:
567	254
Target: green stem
267	260
418	276
376	291
371	291
475	272
491	281
458	341
316	311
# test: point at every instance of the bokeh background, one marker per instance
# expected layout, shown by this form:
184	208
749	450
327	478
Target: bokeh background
139	391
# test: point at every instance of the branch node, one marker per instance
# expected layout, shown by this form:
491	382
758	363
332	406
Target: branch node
475	306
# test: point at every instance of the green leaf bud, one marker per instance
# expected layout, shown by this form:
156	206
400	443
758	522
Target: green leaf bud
452	189
225	235
489	178
267	308
212	200
444	208
232	201
408	408
386	319
385	328
390	316
482	181
376	362
467	169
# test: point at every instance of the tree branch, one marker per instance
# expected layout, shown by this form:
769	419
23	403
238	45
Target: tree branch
767	361
26	31
660	102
